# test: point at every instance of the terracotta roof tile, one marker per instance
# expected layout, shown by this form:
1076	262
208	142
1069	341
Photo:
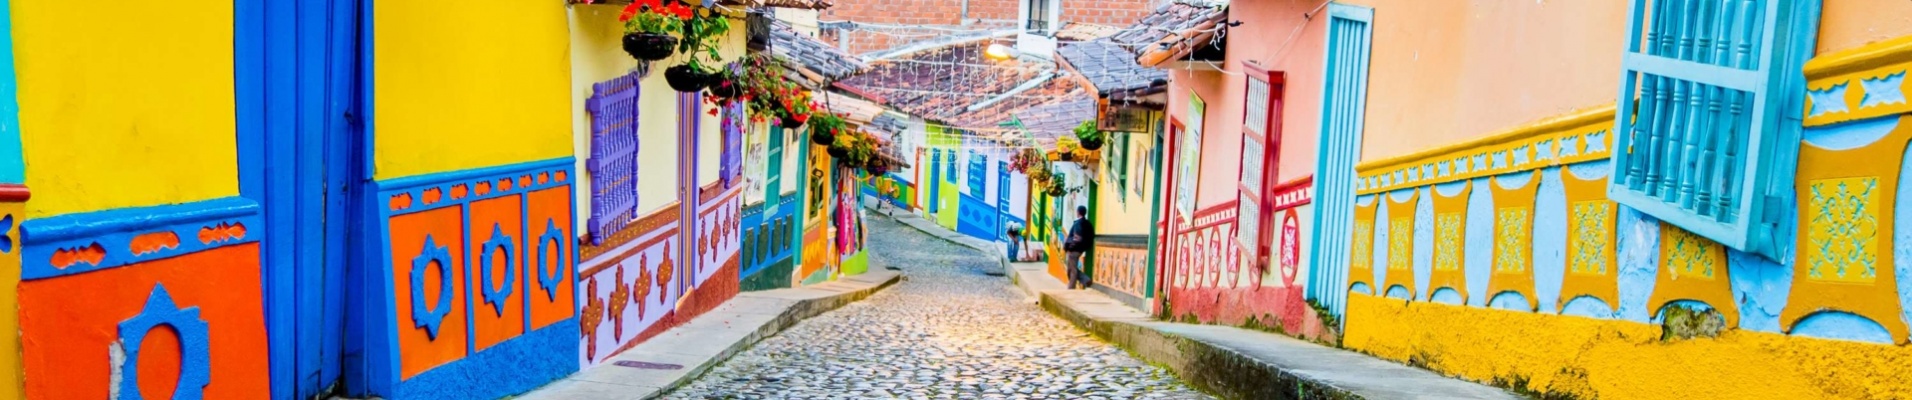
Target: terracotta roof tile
1083	31
1110	67
1172	31
814	62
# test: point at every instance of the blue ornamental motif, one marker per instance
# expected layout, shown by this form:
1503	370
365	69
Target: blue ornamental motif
430	317
496	293
550	259
195	357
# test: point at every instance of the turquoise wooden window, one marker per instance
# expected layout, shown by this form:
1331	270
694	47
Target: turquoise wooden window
1709	116
1345	94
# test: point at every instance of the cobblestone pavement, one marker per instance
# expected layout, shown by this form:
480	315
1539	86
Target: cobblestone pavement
948	331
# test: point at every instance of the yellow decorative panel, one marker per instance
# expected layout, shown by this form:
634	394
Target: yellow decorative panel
1692	268
1591	259
1361	264
1401	242
125	104
1510	240
1842	232
1860	83
1513	240
1450	242
1562	140
1845	238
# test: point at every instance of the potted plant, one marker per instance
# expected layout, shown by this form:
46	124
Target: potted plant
1066	149
687	77
827	128
648	25
1090	135
1056	187
877	167
727	83
861	150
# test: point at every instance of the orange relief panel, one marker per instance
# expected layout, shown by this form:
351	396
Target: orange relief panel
550	266
427	269
194	319
497	270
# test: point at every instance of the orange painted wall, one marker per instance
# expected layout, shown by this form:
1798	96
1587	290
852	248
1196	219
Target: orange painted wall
548	207
491	326
419	349
70	323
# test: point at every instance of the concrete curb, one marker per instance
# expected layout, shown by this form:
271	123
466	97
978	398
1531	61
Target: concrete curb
712	338
1244	364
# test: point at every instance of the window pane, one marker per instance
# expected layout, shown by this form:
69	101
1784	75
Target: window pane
1251	165
1257	106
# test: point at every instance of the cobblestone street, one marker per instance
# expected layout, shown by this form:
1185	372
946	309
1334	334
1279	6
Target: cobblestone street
948	331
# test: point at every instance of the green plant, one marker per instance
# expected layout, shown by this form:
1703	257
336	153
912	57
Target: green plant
1088	132
704	30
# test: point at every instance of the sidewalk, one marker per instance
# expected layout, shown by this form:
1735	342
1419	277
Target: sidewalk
681	354
1227	361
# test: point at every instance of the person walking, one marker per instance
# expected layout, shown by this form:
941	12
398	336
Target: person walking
1081	239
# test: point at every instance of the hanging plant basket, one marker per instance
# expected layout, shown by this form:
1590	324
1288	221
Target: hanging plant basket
825	138
684	78
1092	145
650	46
877	167
1066	156
837	152
726	89
791	122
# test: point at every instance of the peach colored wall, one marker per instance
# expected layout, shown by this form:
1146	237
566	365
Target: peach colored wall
1845	24
1267	27
1443	73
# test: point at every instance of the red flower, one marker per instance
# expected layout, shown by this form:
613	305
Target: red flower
801	118
681	11
630	11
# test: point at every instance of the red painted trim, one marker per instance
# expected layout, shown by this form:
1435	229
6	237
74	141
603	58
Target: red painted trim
14	193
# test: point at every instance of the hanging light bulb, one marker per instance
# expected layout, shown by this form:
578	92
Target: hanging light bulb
998	51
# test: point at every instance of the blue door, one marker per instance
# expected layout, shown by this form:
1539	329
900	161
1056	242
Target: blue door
300	144
1002	199
935	181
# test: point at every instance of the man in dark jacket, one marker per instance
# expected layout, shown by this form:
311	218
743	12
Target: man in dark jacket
1081	239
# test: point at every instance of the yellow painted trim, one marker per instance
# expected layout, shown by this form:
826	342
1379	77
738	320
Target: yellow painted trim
1455	162
1852	67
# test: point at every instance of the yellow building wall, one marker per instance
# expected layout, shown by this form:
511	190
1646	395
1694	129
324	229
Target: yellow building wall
1119	209
710	132
133	108
440	72
596	56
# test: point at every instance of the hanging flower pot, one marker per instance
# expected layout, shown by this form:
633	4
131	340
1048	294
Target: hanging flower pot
684	78
793	122
649	46
1066	156
726	89
877	167
1092	144
837	152
822	137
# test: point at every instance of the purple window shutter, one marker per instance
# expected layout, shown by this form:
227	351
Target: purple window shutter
733	143
613	164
